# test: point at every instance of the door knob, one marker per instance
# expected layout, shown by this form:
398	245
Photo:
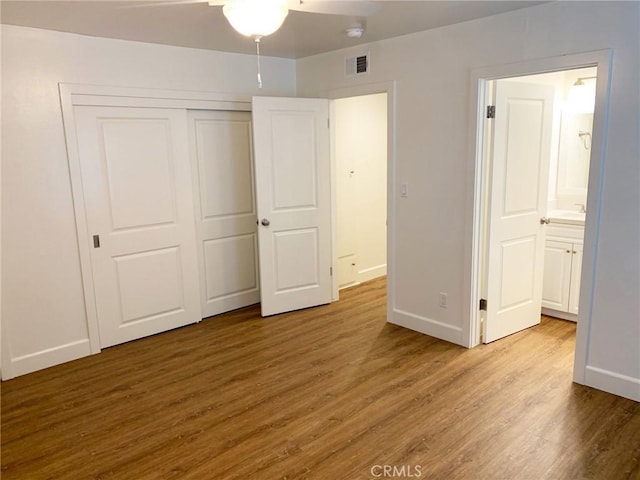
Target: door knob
544	221
265	222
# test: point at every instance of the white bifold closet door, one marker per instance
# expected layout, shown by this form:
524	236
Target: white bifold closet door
222	166
137	190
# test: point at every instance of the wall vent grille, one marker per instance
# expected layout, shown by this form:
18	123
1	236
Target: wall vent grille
355	66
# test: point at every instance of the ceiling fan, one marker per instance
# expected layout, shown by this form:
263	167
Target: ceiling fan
259	18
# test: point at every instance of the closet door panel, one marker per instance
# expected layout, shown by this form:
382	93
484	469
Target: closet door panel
222	165
137	189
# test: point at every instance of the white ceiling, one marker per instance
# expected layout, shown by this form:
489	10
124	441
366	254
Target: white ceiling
201	26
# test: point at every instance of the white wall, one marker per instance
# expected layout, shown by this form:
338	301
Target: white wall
572	153
433	225
360	143
42	299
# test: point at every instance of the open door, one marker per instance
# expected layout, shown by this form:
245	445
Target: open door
518	197
293	186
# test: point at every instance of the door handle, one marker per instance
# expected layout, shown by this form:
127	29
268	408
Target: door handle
265	222
544	221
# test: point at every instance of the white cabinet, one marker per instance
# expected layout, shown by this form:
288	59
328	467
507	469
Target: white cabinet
576	271
557	275
562	270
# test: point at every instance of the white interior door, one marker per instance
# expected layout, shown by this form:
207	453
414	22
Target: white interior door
293	184
222	162
518	197
137	188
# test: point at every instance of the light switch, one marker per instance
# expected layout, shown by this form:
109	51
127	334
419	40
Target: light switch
404	189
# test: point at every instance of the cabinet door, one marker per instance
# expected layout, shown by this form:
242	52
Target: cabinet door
576	272
557	275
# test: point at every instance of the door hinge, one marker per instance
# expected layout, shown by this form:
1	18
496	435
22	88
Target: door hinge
96	241
328	122
491	111
483	304
331	271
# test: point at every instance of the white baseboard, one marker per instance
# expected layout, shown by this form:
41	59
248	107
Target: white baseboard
427	326
371	273
613	382
46	358
348	285
572	317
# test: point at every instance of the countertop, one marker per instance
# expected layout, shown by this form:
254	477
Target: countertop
566	217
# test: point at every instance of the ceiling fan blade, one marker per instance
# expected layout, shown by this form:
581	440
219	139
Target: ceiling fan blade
353	8
161	3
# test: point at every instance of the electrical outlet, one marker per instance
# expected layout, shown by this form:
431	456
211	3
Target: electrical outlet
443	300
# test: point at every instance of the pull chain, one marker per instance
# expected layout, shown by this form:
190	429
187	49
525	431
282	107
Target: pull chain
258	52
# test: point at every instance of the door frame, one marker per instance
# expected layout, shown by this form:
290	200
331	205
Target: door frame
479	79
72	95
358	91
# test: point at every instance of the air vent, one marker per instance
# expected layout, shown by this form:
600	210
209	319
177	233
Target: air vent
357	65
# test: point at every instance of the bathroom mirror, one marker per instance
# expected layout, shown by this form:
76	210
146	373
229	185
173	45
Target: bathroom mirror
574	153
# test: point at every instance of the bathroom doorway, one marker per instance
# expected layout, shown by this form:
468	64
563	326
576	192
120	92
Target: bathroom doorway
537	153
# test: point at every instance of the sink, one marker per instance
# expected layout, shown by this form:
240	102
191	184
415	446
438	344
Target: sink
566	217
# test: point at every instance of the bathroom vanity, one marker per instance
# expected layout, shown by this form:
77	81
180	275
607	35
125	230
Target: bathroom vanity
562	264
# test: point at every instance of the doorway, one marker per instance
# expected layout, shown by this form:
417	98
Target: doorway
359	139
388	116
538	144
480	78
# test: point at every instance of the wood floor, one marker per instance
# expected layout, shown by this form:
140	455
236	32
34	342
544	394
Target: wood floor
330	393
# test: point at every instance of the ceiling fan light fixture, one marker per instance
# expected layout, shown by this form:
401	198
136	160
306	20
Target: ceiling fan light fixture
255	18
